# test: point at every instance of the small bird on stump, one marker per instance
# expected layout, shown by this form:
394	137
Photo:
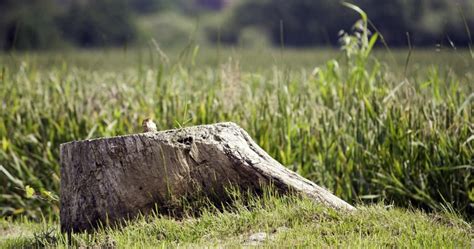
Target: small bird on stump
149	126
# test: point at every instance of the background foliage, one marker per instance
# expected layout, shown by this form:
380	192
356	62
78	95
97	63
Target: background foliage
306	22
46	24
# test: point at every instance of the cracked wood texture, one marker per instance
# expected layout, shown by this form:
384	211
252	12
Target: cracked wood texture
105	181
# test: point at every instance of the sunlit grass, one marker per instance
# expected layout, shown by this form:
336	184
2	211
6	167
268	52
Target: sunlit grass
361	133
353	124
288	221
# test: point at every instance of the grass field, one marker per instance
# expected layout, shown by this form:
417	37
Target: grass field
371	127
268	222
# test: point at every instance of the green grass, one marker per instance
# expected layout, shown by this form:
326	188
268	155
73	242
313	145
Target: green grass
359	124
287	221
358	128
259	59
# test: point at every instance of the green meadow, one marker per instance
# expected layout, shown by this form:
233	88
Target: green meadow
270	222
390	131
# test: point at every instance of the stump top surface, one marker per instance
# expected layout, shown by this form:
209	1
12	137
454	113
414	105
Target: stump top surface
165	134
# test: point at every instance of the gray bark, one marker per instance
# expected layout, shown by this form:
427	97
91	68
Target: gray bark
105	181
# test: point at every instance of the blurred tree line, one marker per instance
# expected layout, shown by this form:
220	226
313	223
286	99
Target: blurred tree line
310	22
43	24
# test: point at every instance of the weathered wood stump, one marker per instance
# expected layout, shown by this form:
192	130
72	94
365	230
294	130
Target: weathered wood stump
105	181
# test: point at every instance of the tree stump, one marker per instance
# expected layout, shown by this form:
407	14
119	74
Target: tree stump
108	180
